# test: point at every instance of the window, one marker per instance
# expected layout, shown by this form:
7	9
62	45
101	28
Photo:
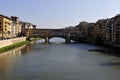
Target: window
5	29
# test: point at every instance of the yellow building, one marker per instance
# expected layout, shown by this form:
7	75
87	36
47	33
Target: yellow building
5	27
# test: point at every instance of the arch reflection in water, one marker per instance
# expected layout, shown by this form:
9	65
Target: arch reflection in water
55	40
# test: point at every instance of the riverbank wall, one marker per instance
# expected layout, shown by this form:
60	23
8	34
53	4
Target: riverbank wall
8	42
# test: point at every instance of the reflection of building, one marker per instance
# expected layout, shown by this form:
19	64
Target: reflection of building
5	27
7	58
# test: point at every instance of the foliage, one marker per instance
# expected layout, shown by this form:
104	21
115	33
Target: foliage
34	39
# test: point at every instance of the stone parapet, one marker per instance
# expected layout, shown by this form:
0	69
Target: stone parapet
7	42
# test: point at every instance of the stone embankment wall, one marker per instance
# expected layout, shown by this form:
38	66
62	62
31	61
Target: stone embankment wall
7	42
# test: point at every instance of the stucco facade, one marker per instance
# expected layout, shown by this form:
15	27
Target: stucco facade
5	27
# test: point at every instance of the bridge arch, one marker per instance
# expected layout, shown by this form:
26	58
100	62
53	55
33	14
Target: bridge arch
48	39
57	39
47	34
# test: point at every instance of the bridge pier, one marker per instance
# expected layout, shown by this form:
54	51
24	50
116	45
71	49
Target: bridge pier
68	38
46	40
67	34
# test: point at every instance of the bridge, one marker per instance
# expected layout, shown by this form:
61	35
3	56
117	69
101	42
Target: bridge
47	34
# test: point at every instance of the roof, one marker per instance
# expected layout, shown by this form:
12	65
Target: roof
5	16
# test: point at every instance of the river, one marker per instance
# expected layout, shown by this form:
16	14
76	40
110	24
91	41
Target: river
59	61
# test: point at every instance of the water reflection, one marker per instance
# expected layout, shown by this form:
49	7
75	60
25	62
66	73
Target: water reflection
111	64
7	59
58	61
107	50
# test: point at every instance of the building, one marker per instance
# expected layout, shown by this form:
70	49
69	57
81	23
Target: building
26	25
34	26
20	28
90	33
5	27
83	28
16	25
13	29
116	30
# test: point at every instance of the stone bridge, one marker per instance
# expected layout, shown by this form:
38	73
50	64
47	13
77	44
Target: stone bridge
50	33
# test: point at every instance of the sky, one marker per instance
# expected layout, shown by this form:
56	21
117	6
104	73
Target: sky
59	13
